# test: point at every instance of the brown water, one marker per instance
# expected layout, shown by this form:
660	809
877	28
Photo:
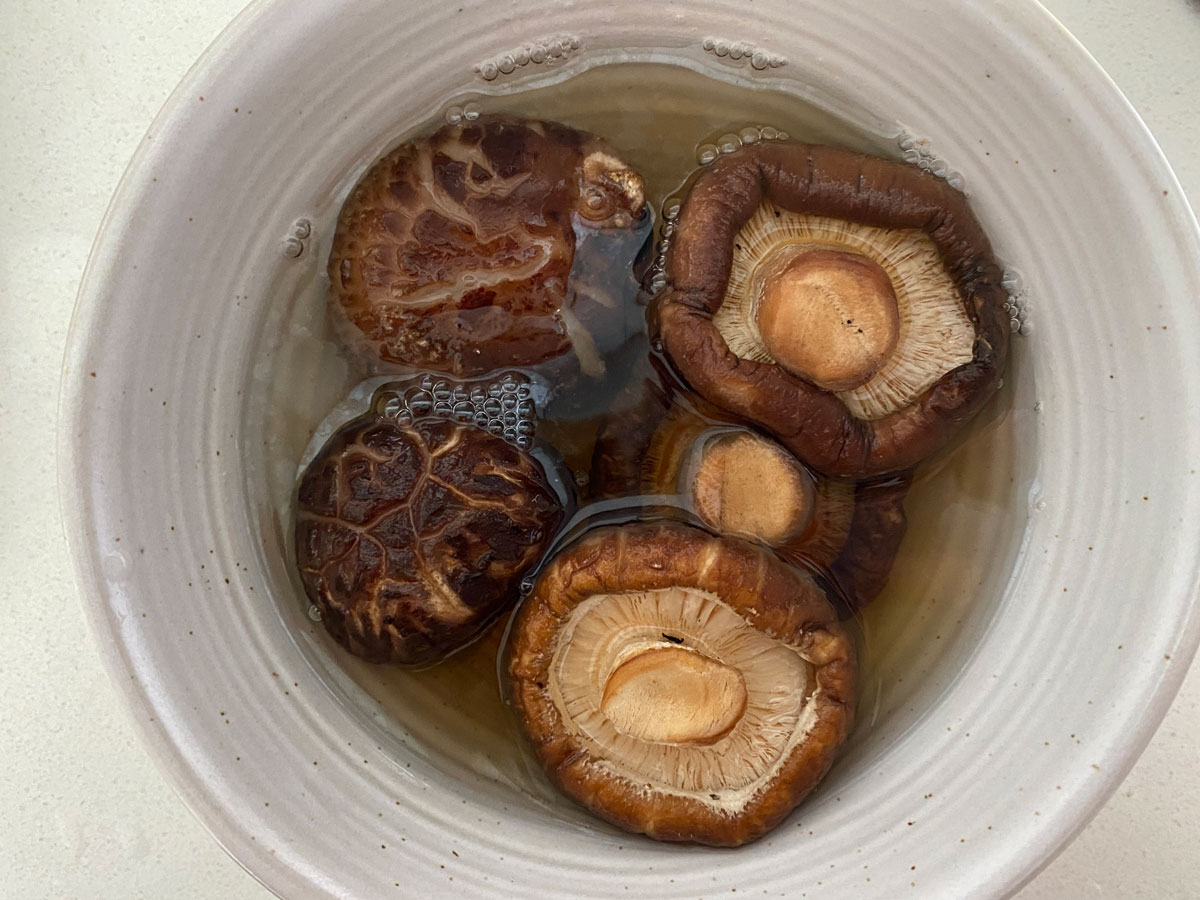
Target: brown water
452	714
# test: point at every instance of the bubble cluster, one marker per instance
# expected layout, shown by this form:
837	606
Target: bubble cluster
734	141
503	407
468	112
296	241
733	51
534	53
917	152
1017	304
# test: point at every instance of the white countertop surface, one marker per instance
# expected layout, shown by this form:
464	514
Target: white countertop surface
85	812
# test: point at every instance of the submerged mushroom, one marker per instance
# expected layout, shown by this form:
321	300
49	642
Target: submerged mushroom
739	482
689	687
850	305
453	252
413	532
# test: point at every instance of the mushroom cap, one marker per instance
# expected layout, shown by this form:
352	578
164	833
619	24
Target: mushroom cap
453	252
854	416
412	536
681	685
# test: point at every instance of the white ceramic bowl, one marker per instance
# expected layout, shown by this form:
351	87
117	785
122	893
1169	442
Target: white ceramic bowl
1044	610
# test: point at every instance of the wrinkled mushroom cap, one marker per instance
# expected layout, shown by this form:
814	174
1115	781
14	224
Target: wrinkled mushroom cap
689	687
453	252
412	536
849	305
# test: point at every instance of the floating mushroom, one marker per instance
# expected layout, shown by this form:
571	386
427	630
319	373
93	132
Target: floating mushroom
850	305
413	531
689	687
453	253
739	482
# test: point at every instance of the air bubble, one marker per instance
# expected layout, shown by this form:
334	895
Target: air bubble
454	115
525	408
522	57
658	282
443	409
706	153
301	228
492	406
760	60
404	417
481	419
768	133
509	419
728	143
1026	329
293	247
471	112
495	427
478	395
489	71
671	210
721	48
525	442
736	52
1014	325
783	136
537	54
314	612
1041	506
526	587
507	65
526	427
523	391
912	157
749	135
495	390
463	412
420	403
426	383
392	406
509	404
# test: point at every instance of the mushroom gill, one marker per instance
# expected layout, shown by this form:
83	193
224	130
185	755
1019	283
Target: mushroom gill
681	685
849	305
454	251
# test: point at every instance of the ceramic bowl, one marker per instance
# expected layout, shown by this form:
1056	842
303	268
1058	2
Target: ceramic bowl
1043	610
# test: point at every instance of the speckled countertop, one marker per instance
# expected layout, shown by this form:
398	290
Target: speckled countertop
86	814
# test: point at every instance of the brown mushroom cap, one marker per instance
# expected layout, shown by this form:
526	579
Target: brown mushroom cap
775	336
411	537
453	252
685	686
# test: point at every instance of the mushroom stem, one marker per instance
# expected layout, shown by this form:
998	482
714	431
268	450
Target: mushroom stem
829	316
674	695
745	485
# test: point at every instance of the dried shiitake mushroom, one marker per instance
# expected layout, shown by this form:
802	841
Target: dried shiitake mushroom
739	482
848	304
413	532
453	252
689	687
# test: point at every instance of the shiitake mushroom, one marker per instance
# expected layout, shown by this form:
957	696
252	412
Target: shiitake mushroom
849	305
685	686
738	481
414	529
453	252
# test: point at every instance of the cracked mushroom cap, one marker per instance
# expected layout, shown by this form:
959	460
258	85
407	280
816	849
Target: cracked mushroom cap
848	304
412	535
739	482
453	252
681	685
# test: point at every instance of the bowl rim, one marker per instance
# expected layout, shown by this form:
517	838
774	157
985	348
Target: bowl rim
104	255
